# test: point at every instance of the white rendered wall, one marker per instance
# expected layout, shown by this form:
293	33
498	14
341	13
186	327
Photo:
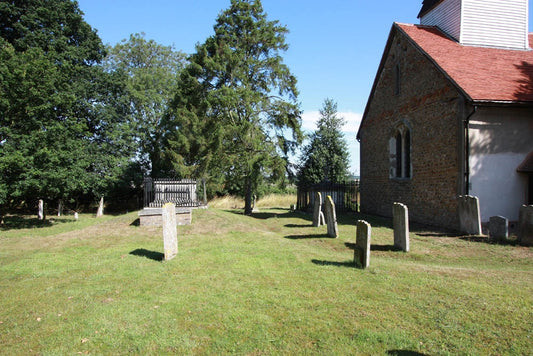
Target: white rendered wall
499	188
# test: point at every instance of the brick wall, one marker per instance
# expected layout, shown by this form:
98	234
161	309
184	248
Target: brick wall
433	110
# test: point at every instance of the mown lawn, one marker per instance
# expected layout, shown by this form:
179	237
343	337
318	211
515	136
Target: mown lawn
267	284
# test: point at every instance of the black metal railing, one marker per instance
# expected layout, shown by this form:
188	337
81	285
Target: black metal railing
158	192
345	195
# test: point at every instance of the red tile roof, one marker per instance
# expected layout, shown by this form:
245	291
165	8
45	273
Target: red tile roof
483	74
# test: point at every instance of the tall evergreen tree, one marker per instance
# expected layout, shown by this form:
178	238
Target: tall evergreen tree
235	112
152	71
326	156
61	128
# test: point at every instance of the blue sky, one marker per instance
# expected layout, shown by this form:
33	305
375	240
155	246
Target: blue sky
334	46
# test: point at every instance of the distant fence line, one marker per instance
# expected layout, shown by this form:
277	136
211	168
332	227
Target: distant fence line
158	192
345	195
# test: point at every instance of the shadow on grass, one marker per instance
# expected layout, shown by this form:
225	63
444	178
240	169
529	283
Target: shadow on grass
487	240
384	248
136	222
404	353
302	237
153	255
16	222
299	225
334	263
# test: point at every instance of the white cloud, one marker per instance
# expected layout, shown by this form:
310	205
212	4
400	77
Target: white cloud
353	120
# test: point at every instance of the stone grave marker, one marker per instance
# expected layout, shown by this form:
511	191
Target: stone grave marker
170	233
317	210
525	225
362	244
100	211
400	219
469	215
40	213
331	218
498	228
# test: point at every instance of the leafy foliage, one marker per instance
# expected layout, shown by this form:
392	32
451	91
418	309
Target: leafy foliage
235	117
151	71
62	133
325	157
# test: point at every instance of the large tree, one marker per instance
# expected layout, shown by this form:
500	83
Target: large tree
61	128
326	156
235	114
152	71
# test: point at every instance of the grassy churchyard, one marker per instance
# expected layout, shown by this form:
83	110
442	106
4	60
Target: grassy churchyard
267	284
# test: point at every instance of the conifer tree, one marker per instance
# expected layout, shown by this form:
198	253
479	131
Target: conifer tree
325	158
235	112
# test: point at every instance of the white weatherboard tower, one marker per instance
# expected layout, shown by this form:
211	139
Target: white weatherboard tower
485	23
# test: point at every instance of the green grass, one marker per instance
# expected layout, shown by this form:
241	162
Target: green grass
267	284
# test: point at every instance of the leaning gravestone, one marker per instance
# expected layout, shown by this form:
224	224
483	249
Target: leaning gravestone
400	219
469	216
40	213
170	233
525	225
362	244
317	210
100	211
498	228
331	218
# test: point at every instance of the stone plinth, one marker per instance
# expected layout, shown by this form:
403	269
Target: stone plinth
153	216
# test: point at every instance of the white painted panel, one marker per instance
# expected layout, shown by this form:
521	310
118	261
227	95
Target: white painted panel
447	16
494	180
495	23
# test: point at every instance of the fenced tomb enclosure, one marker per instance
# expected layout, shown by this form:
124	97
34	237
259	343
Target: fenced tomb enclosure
345	195
183	193
157	192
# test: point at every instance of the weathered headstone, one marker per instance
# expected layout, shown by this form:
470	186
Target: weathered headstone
317	210
400	218
331	218
170	232
469	215
75	215
525	225
254	206
60	208
100	211
498	228
362	244
40	213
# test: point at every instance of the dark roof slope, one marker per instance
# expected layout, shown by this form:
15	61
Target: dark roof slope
427	5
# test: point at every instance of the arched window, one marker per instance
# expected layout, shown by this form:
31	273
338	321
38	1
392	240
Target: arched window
400	152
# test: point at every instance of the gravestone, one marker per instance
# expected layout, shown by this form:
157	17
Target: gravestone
469	216
75	215
60	208
40	213
525	225
317	210
498	228
400	218
170	233
100	211
362	244
331	218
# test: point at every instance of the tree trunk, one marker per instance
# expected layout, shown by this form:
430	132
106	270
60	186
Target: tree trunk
60	208
248	197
